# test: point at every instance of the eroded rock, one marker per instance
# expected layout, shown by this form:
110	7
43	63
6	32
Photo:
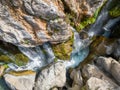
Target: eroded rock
24	23
111	66
84	7
53	76
98	84
93	71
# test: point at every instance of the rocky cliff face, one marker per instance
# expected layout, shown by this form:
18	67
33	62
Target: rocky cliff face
33	22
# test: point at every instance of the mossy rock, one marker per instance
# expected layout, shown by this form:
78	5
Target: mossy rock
114	9
63	51
21	59
20	73
86	21
5	59
84	88
12	51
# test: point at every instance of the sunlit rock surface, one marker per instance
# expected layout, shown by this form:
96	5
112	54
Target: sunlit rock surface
93	71
24	23
23	82
55	75
95	83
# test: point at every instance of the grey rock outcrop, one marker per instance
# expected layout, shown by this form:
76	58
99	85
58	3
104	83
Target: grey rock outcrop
32	22
93	71
24	23
98	84
23	82
111	66
53	76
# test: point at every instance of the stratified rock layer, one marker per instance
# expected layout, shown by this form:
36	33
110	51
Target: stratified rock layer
25	22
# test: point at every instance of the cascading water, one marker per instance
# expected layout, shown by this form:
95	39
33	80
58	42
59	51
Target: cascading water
37	57
80	51
40	57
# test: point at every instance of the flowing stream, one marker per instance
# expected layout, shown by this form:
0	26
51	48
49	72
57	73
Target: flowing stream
38	57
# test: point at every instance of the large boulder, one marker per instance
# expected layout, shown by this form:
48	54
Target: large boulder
93	71
22	82
98	84
32	22
25	22
111	66
53	76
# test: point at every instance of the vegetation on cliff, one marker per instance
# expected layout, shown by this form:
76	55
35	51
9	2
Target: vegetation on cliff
12	55
62	51
114	10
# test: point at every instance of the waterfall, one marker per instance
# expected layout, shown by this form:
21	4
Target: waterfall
39	57
49	52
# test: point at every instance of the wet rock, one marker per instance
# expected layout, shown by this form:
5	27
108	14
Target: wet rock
53	76
3	85
111	66
24	82
98	84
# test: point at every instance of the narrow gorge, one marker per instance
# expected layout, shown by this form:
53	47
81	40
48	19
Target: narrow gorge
59	45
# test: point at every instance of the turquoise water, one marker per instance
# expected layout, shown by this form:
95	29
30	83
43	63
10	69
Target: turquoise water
3	85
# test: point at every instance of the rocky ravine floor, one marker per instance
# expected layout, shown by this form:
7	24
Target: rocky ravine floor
103	74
